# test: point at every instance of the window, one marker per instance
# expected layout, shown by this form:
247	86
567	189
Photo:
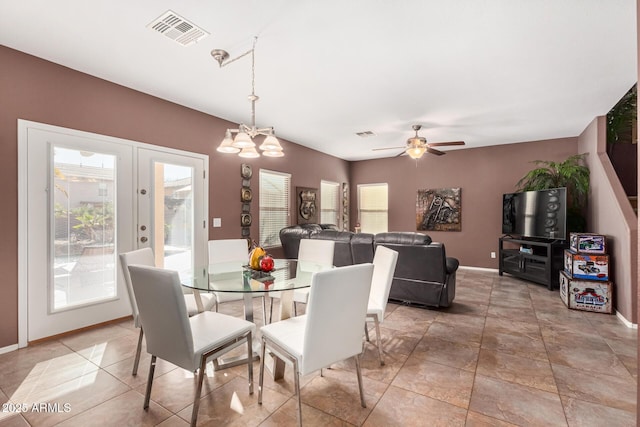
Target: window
275	193
373	201
329	202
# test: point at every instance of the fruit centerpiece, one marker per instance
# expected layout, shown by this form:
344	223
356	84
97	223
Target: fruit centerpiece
259	259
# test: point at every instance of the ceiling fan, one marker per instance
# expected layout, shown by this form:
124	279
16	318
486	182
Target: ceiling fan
417	146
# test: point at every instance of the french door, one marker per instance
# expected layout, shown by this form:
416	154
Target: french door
171	218
88	198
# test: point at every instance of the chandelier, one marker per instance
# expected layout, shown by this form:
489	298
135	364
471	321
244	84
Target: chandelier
243	143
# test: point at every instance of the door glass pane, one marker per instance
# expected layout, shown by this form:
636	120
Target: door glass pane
173	217
83	224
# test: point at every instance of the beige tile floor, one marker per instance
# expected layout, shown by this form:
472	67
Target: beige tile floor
506	353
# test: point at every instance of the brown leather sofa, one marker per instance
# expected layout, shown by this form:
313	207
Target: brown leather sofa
424	275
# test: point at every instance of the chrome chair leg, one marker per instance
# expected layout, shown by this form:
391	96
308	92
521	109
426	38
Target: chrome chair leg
296	377
366	332
261	375
136	360
147	396
378	339
264	311
362	402
250	360
196	400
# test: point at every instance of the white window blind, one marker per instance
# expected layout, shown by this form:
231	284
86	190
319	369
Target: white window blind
275	193
329	202
373	205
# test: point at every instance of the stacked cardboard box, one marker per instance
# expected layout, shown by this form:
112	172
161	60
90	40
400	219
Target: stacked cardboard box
584	283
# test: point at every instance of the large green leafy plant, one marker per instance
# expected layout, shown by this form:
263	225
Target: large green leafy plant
572	174
621	118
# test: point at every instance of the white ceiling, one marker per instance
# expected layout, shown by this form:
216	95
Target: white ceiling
484	71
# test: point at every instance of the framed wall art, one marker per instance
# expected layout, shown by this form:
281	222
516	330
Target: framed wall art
439	210
246	194
245	171
307	199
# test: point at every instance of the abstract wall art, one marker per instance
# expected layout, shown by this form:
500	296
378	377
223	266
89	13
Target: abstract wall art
439	210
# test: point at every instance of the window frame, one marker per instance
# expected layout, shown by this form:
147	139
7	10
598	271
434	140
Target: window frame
333	210
366	228
269	237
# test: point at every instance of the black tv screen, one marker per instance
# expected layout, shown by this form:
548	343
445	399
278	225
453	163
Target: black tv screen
538	214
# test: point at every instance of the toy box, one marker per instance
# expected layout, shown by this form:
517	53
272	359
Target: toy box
589	267
586	295
587	243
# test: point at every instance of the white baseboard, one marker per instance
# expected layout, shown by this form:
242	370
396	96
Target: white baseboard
8	348
491	270
625	321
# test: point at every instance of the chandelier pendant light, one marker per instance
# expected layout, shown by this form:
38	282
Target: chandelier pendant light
243	144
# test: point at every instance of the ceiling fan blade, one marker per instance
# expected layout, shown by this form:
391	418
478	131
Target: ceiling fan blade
434	151
443	144
387	148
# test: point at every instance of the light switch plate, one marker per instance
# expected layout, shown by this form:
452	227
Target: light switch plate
217	222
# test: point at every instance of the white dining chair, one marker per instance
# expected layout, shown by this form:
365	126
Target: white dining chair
312	251
146	257
384	265
330	331
312	254
185	341
232	255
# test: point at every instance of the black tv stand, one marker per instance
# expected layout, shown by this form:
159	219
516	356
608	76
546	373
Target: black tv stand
542	265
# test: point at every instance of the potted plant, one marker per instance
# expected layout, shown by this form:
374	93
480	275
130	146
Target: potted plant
621	120
572	174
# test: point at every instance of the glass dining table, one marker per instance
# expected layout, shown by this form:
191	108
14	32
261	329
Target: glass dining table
287	276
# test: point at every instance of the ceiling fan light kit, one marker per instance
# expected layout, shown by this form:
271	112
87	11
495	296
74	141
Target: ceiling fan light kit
415	148
243	144
417	145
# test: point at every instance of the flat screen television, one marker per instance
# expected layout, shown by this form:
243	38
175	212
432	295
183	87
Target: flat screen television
536	214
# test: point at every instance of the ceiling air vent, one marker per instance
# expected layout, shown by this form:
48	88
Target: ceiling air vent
365	134
178	29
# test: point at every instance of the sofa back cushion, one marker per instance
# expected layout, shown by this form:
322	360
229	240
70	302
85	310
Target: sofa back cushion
342	249
362	248
402	238
418	257
290	239
329	227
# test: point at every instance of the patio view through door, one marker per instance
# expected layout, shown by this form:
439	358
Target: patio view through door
170	217
89	198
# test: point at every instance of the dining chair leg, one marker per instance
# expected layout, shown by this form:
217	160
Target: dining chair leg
270	309
366	332
362	402
152	369
196	400
250	360
378	339
295	308
264	310
296	379
136	360
261	375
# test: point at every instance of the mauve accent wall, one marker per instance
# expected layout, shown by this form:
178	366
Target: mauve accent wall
483	174
612	215
38	90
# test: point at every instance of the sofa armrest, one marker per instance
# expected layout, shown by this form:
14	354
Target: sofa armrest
452	265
